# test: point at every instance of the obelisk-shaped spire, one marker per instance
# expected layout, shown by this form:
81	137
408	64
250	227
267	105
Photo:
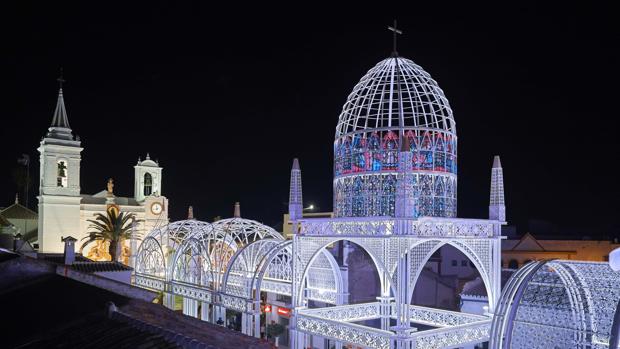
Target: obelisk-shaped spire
60	129
295	200
190	213
60	113
237	213
497	207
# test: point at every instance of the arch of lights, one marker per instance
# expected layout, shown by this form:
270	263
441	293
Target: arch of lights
226	265
559	304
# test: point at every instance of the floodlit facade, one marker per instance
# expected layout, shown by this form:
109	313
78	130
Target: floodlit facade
65	210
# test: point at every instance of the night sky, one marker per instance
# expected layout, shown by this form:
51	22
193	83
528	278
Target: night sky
226	99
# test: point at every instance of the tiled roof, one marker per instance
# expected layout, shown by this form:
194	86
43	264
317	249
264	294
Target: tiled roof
96	331
17	211
59	258
95	267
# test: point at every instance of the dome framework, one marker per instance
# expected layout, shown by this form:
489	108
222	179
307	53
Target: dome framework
395	105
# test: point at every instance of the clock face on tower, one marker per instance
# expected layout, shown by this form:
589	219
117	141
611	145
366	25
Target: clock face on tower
157	208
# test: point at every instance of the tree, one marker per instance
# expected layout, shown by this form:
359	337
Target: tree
274	330
114	227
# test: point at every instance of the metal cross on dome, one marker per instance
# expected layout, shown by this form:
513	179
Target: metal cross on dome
395	31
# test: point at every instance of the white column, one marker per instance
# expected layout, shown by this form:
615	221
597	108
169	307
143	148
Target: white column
245	329
219	313
495	269
385	311
256	317
190	307
169	300
205	313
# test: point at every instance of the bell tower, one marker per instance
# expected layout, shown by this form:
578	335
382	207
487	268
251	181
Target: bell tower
147	179
59	183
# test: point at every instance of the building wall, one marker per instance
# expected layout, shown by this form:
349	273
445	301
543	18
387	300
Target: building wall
523	251
24	226
463	269
59	216
147	220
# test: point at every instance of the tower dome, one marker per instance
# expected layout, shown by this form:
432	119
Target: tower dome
396	107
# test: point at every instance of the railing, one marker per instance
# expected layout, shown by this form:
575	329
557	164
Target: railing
439	317
345	332
149	282
192	291
325	296
346	313
452	337
381	226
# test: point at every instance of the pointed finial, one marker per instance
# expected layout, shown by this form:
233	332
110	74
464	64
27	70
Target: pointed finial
16	198
148	156
139	160
496	162
190	212
237	213
295	164
60	119
395	31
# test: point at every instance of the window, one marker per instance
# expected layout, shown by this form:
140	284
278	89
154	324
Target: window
463	263
148	184
513	264
454	263
61	178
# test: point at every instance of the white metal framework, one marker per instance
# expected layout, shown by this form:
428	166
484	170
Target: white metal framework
395	181
226	265
559	304
394	104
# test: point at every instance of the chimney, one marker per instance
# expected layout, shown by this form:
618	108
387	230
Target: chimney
237	213
69	249
17	242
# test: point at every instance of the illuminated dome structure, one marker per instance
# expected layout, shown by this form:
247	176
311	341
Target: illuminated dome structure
396	105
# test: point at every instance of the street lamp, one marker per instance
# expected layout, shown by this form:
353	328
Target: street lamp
309	208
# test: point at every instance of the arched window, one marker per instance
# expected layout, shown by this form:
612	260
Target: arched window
148	184
61	176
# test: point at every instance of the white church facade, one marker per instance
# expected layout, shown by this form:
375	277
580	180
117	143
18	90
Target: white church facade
63	208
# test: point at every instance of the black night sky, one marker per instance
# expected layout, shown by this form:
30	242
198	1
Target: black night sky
226	99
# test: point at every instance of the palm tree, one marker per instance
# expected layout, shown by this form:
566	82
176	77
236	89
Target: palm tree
113	227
